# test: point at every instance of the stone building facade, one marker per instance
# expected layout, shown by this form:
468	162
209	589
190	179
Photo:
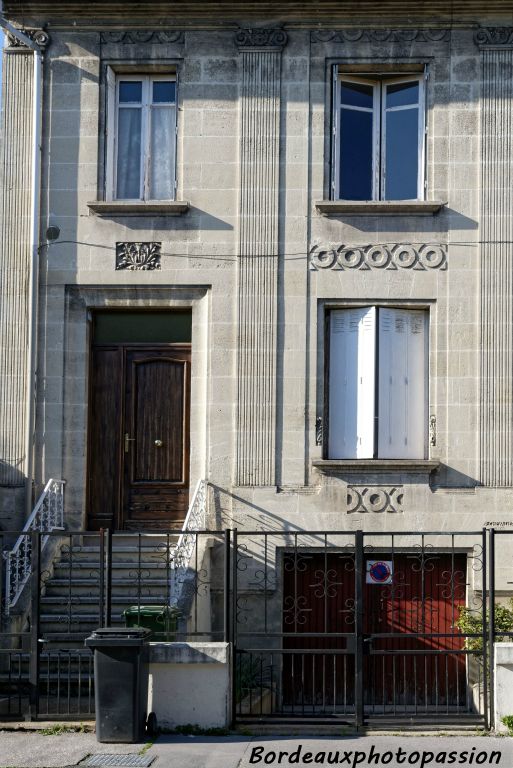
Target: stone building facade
256	245
273	252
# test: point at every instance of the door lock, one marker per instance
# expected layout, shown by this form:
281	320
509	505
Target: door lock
158	443
127	441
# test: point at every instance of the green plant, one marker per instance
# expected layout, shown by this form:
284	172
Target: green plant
146	747
471	623
60	728
507	720
250	675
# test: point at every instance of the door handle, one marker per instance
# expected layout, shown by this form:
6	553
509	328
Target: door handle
127	441
158	443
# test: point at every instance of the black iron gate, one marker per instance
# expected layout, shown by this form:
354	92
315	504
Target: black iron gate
360	627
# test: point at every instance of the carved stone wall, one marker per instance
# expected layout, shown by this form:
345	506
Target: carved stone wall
258	261
496	397
15	231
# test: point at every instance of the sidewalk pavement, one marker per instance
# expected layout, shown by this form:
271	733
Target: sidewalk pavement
32	749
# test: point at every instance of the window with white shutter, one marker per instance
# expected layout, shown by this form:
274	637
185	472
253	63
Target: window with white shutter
377	403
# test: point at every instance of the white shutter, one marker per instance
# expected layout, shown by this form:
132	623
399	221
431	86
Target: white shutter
352	383
402	381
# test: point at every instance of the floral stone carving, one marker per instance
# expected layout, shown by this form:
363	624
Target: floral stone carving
138	255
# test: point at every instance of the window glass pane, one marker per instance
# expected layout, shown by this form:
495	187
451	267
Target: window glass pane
128	185
356	95
130	91
142	327
402	154
162	153
163	91
402	94
355	155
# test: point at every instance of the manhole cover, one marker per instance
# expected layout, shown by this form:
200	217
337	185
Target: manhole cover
122	761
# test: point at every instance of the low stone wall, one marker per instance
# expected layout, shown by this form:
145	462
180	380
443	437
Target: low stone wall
190	683
503	688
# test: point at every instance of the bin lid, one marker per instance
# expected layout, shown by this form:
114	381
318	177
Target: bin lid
116	636
150	610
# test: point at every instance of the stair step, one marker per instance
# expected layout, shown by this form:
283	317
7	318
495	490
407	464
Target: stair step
83	564
157	599
85	582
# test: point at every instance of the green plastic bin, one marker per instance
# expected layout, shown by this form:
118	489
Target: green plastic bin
162	620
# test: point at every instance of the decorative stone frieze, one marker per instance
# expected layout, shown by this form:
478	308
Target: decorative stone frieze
135	36
494	36
39	36
144	256
380	35
398	256
268	39
362	498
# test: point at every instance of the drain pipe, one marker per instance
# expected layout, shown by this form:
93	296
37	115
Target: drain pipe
36	44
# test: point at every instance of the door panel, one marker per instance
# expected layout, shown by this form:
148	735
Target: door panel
156	440
105	426
138	462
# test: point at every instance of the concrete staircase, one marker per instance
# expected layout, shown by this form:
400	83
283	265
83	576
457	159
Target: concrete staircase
141	575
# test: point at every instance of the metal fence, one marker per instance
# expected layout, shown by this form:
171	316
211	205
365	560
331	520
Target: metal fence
326	626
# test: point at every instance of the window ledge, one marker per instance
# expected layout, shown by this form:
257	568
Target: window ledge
143	208
379	207
377	465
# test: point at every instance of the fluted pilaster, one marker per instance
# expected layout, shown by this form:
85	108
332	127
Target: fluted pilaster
496	427
15	255
258	259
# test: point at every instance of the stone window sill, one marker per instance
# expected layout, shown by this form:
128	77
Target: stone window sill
377	465
379	207
112	208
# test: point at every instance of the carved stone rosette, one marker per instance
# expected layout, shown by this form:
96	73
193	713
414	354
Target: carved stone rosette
269	39
366	499
135	36
427	256
380	35
494	36
144	256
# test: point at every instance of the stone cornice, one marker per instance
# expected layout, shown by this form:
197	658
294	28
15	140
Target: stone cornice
261	39
38	36
494	36
355	35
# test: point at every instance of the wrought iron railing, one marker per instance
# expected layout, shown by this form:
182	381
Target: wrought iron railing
187	542
47	515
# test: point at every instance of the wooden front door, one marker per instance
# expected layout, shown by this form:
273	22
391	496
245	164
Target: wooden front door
138	468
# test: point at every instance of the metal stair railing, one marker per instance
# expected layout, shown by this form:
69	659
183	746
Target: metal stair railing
47	515
182	556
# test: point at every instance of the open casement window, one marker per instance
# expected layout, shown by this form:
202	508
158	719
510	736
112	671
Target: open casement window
378	137
378	386
141	137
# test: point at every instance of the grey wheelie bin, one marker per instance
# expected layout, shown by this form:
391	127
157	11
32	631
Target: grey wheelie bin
120	683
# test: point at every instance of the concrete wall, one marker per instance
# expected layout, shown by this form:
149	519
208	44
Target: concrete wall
190	683
264	472
503	682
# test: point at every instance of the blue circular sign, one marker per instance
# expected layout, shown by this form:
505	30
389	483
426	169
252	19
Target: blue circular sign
380	572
